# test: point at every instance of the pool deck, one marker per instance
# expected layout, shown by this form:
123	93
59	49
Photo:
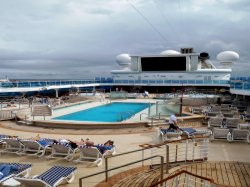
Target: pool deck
125	139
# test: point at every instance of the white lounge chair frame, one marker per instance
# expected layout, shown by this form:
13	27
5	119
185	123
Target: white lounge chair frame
219	133
37	181
32	147
24	172
93	155
170	136
12	145
232	122
61	150
215	122
241	135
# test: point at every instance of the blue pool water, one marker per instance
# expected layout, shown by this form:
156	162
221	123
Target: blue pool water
113	112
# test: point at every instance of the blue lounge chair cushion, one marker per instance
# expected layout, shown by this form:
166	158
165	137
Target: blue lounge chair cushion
6	169
189	130
13	168
102	148
55	173
45	142
165	131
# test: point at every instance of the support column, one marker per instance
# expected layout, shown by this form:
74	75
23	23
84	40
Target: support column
57	89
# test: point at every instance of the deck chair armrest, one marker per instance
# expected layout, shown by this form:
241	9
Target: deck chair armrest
71	177
35	176
229	137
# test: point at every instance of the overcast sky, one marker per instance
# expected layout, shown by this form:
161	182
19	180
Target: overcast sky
81	38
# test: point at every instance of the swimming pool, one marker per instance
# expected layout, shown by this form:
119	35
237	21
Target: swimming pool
113	112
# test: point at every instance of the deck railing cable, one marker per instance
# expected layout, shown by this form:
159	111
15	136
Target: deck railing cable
121	166
172	152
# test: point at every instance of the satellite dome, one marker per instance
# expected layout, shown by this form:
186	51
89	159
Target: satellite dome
123	59
228	56
170	52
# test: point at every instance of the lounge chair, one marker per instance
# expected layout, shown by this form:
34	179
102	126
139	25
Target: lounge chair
196	110
23	170
91	154
215	122
211	114
228	115
232	122
170	135
50	178
33	147
246	117
59	150
3	136
191	132
219	133
13	145
244	126
238	134
225	106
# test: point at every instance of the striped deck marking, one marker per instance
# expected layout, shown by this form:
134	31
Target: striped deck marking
235	174
230	174
244	174
247	175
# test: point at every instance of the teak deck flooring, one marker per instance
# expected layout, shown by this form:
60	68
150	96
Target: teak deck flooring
225	173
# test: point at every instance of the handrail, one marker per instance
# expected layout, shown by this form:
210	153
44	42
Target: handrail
179	173
126	112
187	172
142	114
124	165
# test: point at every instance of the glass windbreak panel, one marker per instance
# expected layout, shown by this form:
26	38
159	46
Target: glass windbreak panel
23	84
183	81
224	82
151	81
7	84
159	81
208	82
164	109
163	63
175	81
191	81
199	82
238	85
167	81
35	84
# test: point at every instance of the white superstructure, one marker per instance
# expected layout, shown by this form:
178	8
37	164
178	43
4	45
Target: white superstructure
185	67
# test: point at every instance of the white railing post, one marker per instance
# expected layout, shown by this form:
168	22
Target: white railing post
193	150
186	155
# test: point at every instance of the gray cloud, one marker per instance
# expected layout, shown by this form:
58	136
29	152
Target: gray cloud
80	38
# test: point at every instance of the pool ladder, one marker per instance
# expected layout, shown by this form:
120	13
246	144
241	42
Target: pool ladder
129	114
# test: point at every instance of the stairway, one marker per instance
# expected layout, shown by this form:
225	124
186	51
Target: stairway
41	110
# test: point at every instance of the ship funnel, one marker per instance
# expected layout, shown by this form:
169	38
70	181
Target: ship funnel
187	50
204	56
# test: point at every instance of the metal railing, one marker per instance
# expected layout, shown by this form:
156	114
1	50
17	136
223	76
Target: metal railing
121	115
108	170
186	178
182	151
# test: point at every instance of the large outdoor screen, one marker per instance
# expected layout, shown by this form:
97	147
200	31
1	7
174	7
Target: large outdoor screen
163	63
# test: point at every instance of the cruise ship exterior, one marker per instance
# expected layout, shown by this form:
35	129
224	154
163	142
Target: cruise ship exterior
185	68
154	73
